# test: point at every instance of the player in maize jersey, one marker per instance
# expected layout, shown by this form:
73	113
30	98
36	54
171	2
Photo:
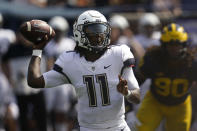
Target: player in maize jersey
101	74
172	69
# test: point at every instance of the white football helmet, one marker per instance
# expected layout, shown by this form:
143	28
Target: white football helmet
149	19
59	23
92	31
119	21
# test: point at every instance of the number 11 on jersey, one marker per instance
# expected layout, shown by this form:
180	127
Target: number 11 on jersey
101	79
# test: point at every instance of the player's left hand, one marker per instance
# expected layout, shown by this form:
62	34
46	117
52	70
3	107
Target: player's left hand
122	86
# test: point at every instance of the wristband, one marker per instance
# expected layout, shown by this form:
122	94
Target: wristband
129	93
37	53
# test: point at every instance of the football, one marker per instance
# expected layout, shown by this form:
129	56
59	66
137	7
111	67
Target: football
35	31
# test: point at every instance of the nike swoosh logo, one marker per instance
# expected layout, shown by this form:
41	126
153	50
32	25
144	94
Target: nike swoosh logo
105	67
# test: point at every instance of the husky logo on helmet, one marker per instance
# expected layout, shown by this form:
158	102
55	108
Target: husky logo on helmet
92	31
174	33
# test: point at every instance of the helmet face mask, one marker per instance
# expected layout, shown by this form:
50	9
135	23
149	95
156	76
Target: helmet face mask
92	31
175	50
95	36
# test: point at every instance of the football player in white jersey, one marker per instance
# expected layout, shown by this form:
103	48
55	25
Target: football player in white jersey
101	74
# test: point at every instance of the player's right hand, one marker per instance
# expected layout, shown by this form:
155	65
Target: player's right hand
40	46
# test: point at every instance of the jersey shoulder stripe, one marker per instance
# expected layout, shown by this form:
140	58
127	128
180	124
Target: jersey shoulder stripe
129	62
59	70
70	51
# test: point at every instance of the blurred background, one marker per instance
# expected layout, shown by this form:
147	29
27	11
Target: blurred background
136	23
17	11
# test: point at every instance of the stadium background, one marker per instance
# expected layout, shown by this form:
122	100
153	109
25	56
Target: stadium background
183	12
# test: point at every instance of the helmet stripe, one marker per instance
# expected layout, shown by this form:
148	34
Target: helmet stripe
173	27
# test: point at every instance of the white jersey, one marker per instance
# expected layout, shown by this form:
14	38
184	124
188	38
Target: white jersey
7	37
100	105
8	34
55	49
7	98
59	98
19	75
147	42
